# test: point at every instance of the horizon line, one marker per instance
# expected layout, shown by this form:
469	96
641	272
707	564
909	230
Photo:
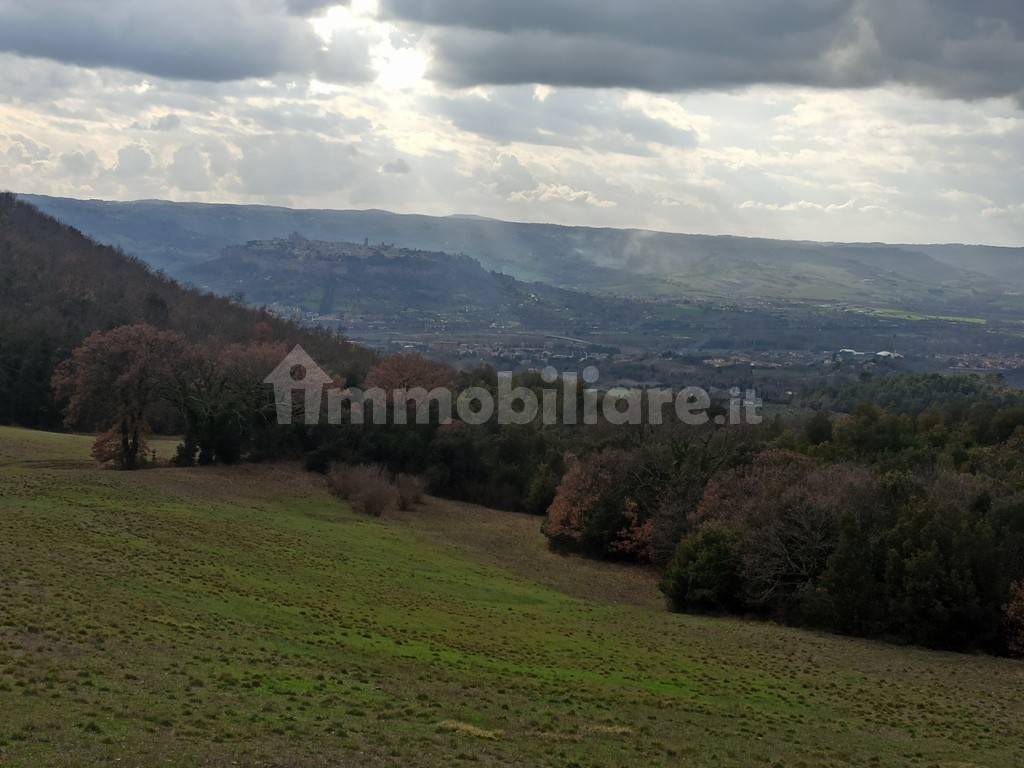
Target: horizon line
472	216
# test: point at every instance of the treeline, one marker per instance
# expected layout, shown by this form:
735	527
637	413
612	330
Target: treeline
877	524
913	394
58	286
511	467
136	379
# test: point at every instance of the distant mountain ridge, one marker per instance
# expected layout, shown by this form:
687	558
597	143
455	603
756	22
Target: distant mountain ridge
402	287
177	236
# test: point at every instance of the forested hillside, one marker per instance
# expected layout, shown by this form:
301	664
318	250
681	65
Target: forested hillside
58	286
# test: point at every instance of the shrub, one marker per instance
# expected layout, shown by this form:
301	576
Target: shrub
319	459
342	480
410	491
542	491
704	575
366	486
377	497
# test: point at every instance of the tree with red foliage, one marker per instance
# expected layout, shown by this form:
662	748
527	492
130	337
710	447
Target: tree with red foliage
115	380
593	511
577	493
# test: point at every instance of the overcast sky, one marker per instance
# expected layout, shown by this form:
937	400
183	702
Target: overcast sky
895	120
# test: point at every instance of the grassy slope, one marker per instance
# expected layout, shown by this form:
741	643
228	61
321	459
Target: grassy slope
193	617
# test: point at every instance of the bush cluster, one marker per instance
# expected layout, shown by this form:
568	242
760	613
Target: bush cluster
373	491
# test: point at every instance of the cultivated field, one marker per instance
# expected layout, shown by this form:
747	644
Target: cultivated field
242	616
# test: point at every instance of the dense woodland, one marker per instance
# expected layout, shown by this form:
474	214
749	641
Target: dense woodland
877	523
894	510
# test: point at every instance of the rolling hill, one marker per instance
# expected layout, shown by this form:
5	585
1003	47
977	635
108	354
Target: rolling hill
216	616
403	287
176	236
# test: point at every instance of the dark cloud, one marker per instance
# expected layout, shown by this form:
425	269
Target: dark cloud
953	47
697	24
311	7
31	81
185	39
570	118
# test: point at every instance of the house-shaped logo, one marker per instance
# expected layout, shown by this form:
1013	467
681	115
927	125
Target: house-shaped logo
298	371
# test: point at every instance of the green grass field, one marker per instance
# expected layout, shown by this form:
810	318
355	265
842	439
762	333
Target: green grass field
898	314
242	616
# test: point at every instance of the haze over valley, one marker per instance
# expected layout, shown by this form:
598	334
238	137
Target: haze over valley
472	290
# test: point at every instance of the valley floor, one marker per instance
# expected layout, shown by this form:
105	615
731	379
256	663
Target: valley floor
242	615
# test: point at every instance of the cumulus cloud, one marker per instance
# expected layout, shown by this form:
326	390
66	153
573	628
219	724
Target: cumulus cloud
510	177
1012	212
79	164
799	205
302	117
553	193
186	39
22	150
133	160
955	48
189	169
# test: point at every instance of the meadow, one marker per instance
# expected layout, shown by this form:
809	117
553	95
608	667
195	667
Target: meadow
218	616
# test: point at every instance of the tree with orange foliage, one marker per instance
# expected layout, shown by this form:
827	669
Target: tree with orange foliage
411	374
594	511
115	380
408	371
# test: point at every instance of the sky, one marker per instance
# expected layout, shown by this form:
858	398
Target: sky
837	120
